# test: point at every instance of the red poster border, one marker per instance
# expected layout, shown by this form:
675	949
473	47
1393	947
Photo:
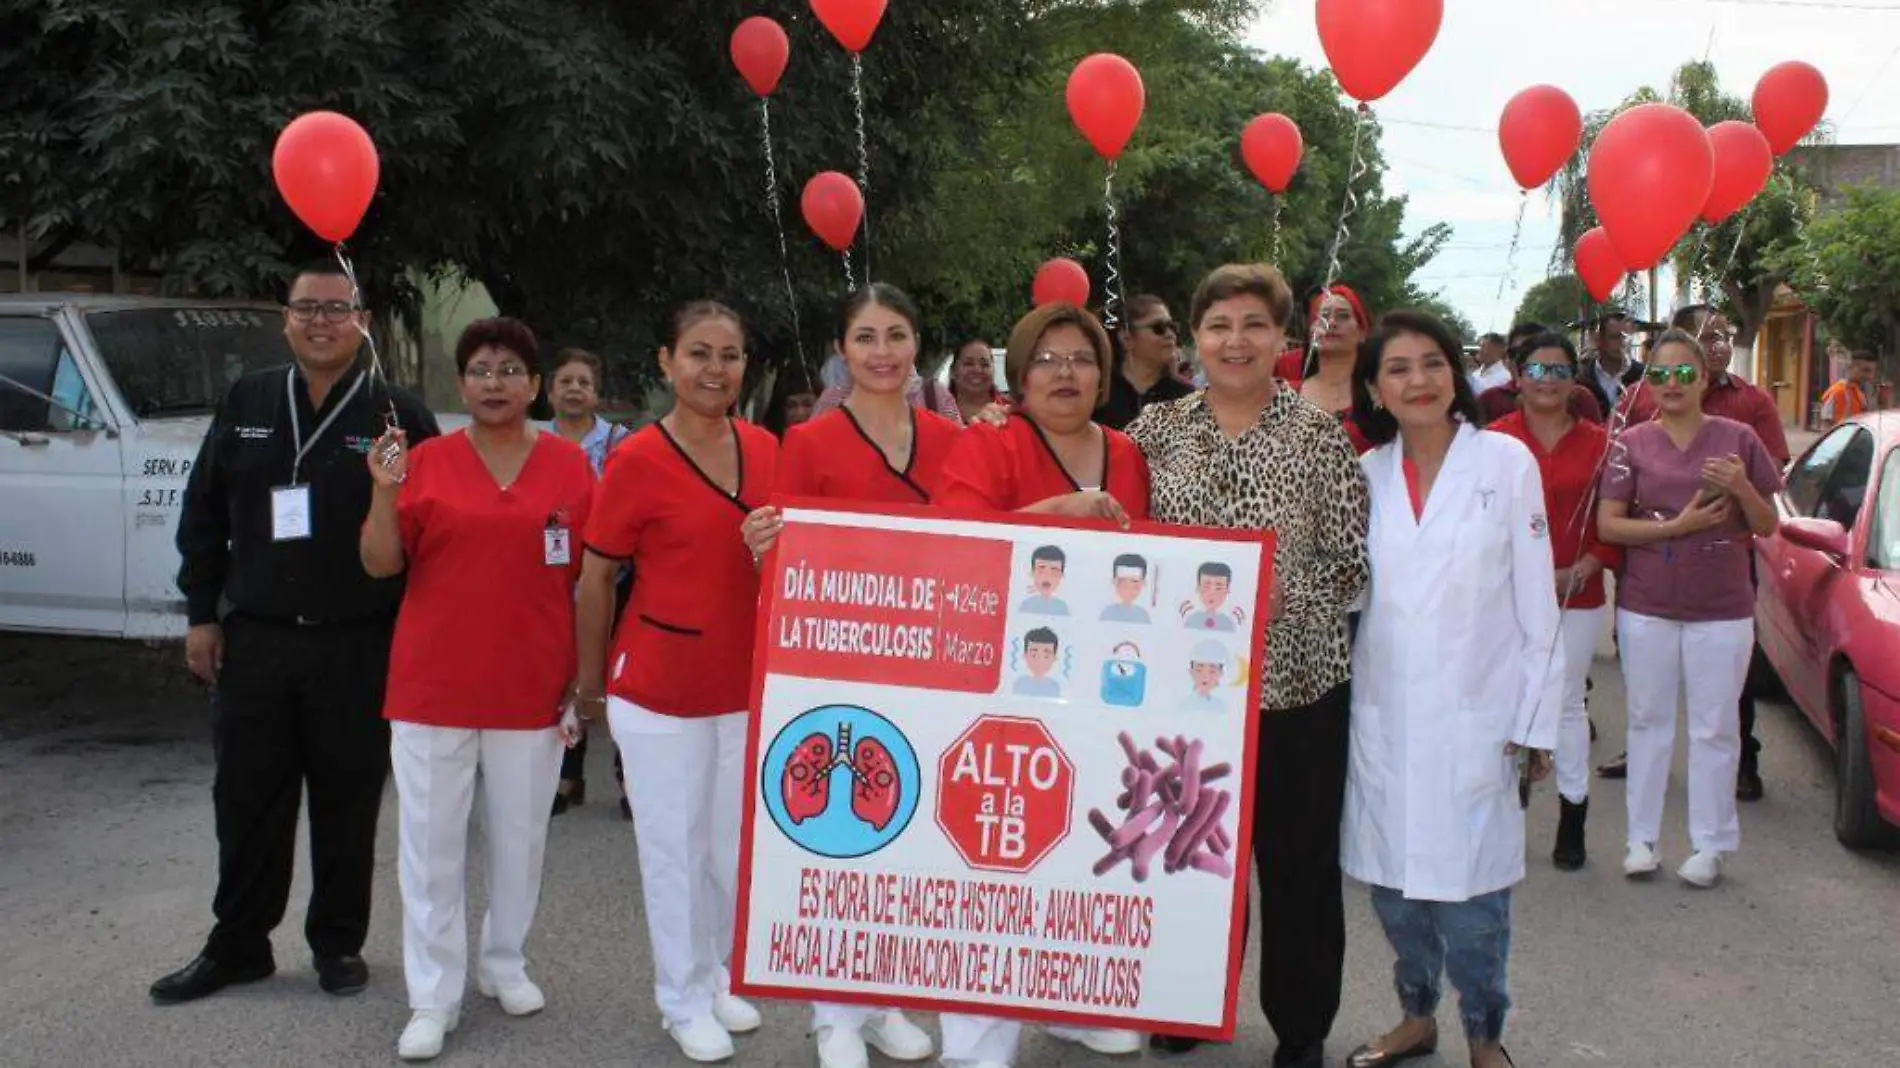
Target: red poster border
1243	845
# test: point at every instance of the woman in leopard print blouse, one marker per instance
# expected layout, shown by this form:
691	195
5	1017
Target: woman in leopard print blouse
1249	452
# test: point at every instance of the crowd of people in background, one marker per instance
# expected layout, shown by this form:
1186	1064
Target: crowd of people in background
368	592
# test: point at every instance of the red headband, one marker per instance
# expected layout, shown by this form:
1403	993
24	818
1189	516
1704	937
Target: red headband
1345	293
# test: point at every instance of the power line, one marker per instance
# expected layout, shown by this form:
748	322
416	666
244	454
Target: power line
1879	74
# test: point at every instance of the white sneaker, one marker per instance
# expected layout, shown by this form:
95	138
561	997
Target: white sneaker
897	1038
702	1039
1703	869
519	998
428	1028
1640	860
841	1047
736	1014
1100	1039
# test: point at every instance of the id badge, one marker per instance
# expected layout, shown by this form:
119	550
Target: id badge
555	550
290	513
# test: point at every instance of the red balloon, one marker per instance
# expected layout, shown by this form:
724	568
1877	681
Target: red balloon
1374	44
1598	265
760	50
1789	100
1743	163
833	207
852	22
1272	146
1105	98
1061	281
1539	132
326	168
1650	173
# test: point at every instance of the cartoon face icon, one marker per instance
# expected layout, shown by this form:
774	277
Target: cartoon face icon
1039	651
1131	577
1207	663
1046	566
1211	585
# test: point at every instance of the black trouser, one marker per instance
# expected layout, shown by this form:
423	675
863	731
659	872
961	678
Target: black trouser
295	705
1752	686
1299	796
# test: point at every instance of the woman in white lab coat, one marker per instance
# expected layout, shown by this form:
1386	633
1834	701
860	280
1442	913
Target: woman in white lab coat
1457	669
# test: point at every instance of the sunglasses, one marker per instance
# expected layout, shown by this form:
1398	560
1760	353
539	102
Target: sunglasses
1549	372
1684	373
1159	328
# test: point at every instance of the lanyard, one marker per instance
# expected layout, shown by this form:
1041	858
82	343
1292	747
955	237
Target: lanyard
296	424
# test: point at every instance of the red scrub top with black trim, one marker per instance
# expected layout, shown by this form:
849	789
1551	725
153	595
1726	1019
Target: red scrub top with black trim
1009	468
685	642
833	457
485	636
1570	472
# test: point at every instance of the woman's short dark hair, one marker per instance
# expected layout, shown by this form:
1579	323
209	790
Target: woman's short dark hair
1547	340
882	294
1523	332
1261	280
1141	304
1377	424
698	311
1679	336
1028	334
581	356
500	332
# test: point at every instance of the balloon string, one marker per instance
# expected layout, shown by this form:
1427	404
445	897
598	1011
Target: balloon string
850	281
1350	204
778	225
864	156
1112	285
1279	204
377	377
1510	257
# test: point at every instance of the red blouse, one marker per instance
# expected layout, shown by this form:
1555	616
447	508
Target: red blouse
832	457
1010	468
1570	472
685	642
485	637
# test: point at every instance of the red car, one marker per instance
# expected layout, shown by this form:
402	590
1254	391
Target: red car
1827	614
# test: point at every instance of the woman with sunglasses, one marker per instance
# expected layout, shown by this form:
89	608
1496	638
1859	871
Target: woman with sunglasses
1145	373
875	448
1337	321
1570	453
1682	494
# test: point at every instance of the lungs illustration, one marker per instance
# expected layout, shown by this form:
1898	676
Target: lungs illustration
807	782
876	788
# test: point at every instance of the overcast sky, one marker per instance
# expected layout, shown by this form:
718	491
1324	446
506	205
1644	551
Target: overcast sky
1441	122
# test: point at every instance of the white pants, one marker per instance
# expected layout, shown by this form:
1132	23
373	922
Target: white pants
435	784
1580	629
1705	664
686	781
969	1039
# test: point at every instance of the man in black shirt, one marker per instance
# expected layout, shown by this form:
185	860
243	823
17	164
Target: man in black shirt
294	637
1145	372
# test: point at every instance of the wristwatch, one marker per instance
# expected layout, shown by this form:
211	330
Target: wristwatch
584	703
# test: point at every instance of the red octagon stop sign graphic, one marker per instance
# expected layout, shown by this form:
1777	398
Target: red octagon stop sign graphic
1003	793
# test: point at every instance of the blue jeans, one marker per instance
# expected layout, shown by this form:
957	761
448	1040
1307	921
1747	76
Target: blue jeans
1470	940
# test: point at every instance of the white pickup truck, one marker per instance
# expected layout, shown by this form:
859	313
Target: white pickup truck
103	403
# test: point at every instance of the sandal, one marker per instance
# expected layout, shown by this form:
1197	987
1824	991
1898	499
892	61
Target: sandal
1372	1055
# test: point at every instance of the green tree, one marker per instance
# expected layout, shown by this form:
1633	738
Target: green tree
1555	301
1848	269
1451	317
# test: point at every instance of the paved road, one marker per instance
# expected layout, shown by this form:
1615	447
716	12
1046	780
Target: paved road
106	865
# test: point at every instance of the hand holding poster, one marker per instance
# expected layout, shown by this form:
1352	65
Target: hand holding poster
1004	768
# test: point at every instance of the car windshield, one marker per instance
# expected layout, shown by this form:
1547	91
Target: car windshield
1883	541
181	361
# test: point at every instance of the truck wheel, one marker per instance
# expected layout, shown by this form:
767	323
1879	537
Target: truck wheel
1857	822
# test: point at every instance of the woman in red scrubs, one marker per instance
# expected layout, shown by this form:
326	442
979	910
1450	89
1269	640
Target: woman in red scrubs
489	511
876	448
676	685
1050	457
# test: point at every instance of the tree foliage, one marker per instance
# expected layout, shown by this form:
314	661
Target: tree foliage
1555	301
1848	269
595	162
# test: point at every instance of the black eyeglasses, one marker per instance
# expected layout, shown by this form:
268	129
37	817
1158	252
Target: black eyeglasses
1159	328
333	311
1549	372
